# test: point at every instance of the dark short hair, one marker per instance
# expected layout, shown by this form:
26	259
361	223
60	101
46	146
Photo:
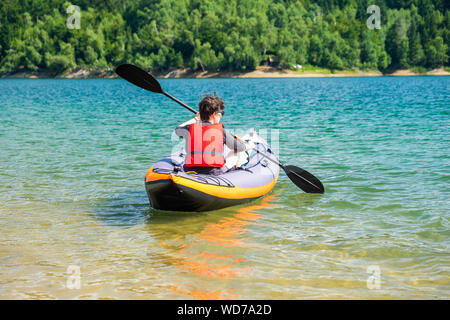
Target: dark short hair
209	104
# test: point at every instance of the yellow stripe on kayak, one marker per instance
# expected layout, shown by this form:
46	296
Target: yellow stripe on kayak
226	192
217	191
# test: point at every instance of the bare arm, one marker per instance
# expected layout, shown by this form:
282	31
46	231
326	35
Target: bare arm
193	120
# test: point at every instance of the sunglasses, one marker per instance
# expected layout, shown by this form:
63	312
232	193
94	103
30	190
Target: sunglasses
222	113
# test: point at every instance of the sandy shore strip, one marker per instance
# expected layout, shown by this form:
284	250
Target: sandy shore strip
260	72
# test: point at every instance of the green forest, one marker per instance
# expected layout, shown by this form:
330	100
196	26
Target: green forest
225	35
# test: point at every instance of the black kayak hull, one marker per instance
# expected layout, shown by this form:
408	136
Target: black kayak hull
166	195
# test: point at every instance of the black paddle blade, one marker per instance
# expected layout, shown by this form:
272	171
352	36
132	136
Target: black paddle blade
303	179
139	77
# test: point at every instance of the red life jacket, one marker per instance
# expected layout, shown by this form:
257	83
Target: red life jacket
205	146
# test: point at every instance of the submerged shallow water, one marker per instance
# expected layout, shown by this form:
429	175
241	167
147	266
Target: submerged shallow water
74	154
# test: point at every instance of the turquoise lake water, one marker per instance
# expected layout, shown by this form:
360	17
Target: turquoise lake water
74	154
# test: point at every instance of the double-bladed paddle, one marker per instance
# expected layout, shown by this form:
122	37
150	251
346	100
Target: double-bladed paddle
301	178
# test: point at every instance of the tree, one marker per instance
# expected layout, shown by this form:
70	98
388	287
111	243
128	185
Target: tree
368	54
436	53
416	52
397	43
315	50
63	61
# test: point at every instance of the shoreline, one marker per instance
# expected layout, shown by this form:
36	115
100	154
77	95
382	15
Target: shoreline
260	72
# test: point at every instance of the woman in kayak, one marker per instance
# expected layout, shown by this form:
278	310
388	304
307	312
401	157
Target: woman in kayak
205	137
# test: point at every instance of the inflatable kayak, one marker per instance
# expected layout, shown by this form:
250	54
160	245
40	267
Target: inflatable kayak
169	187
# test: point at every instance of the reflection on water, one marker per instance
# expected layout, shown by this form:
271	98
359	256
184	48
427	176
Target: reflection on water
204	257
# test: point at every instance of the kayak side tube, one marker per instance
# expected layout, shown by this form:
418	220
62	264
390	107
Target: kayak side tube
172	192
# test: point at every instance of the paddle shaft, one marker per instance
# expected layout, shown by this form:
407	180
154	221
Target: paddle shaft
269	158
179	102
